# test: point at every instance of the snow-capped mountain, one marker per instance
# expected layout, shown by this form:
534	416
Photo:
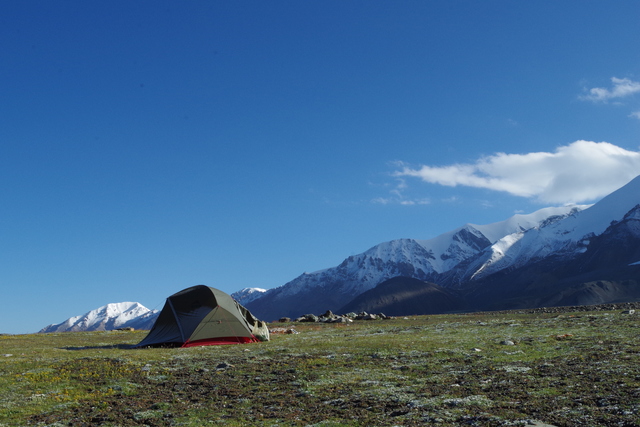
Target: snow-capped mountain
424	260
476	256
567	255
109	317
565	237
246	295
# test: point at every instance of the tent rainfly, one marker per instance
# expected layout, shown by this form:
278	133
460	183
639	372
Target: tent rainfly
201	315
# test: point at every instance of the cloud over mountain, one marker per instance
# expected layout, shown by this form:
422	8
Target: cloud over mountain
582	171
621	89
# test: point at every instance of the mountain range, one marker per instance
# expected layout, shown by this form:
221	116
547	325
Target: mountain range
569	255
109	317
554	256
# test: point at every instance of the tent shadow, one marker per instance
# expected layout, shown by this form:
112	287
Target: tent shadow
102	347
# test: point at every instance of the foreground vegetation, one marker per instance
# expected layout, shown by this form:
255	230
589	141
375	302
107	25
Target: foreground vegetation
568	369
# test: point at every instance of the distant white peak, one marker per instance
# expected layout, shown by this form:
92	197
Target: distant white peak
399	248
633	213
565	234
249	291
522	222
107	317
121	308
246	295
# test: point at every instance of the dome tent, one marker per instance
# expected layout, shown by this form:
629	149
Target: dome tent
201	315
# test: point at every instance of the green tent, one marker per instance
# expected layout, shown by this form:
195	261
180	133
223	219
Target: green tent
201	315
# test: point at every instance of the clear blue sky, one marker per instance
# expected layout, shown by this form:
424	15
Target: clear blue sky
150	146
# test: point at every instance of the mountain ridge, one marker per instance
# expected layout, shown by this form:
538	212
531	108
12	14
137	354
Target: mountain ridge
108	317
425	260
456	259
587	254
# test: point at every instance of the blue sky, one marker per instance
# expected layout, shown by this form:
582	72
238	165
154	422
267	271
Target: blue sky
150	146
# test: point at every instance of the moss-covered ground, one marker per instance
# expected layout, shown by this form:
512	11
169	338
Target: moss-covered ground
485	369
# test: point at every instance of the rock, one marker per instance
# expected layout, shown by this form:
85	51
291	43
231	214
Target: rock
629	312
563	336
366	316
284	320
507	342
308	318
340	319
223	365
537	423
283	331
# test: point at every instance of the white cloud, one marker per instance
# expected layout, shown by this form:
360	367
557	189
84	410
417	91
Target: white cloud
397	194
621	88
582	171
415	202
635	114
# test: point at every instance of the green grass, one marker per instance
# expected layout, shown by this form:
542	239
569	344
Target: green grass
570	369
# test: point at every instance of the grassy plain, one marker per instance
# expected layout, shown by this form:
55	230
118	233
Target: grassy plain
484	369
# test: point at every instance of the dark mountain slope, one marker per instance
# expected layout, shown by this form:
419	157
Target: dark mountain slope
401	296
603	273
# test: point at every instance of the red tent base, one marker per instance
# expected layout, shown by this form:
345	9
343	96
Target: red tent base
221	341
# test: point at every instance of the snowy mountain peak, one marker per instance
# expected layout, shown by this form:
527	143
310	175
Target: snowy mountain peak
246	295
425	260
108	317
563	235
633	213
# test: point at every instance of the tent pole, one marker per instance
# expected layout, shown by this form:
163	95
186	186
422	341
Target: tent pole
173	310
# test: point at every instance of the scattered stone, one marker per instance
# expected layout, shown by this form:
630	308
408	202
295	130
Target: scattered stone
476	349
629	312
37	396
330	317
367	316
537	423
512	369
507	342
222	366
563	336
284	319
308	318
146	368
7	355
283	331
340	319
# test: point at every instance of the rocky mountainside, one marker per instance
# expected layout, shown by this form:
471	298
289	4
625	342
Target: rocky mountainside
424	260
108	317
553	256
247	295
603	269
572	255
400	296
